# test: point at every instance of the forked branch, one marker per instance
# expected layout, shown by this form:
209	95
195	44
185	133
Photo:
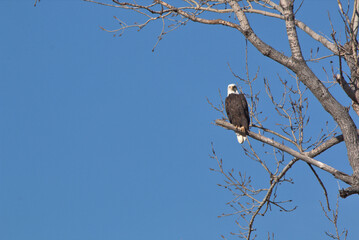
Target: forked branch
307	157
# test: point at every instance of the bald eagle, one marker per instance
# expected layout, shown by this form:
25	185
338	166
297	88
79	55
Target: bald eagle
237	111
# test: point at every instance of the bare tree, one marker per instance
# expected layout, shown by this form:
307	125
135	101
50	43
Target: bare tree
288	139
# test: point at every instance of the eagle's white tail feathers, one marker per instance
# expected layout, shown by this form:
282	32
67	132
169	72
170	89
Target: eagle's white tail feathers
240	138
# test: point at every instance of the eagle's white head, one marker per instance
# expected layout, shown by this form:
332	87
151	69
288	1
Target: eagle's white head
232	89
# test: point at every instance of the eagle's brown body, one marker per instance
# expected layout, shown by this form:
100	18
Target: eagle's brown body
237	112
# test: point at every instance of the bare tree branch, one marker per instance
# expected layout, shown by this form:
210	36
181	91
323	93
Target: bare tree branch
287	6
269	192
334	220
355	18
303	156
249	34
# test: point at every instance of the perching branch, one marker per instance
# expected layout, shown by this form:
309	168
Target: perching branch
303	156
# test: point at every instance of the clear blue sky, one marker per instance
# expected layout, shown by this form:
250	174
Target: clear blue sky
100	138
